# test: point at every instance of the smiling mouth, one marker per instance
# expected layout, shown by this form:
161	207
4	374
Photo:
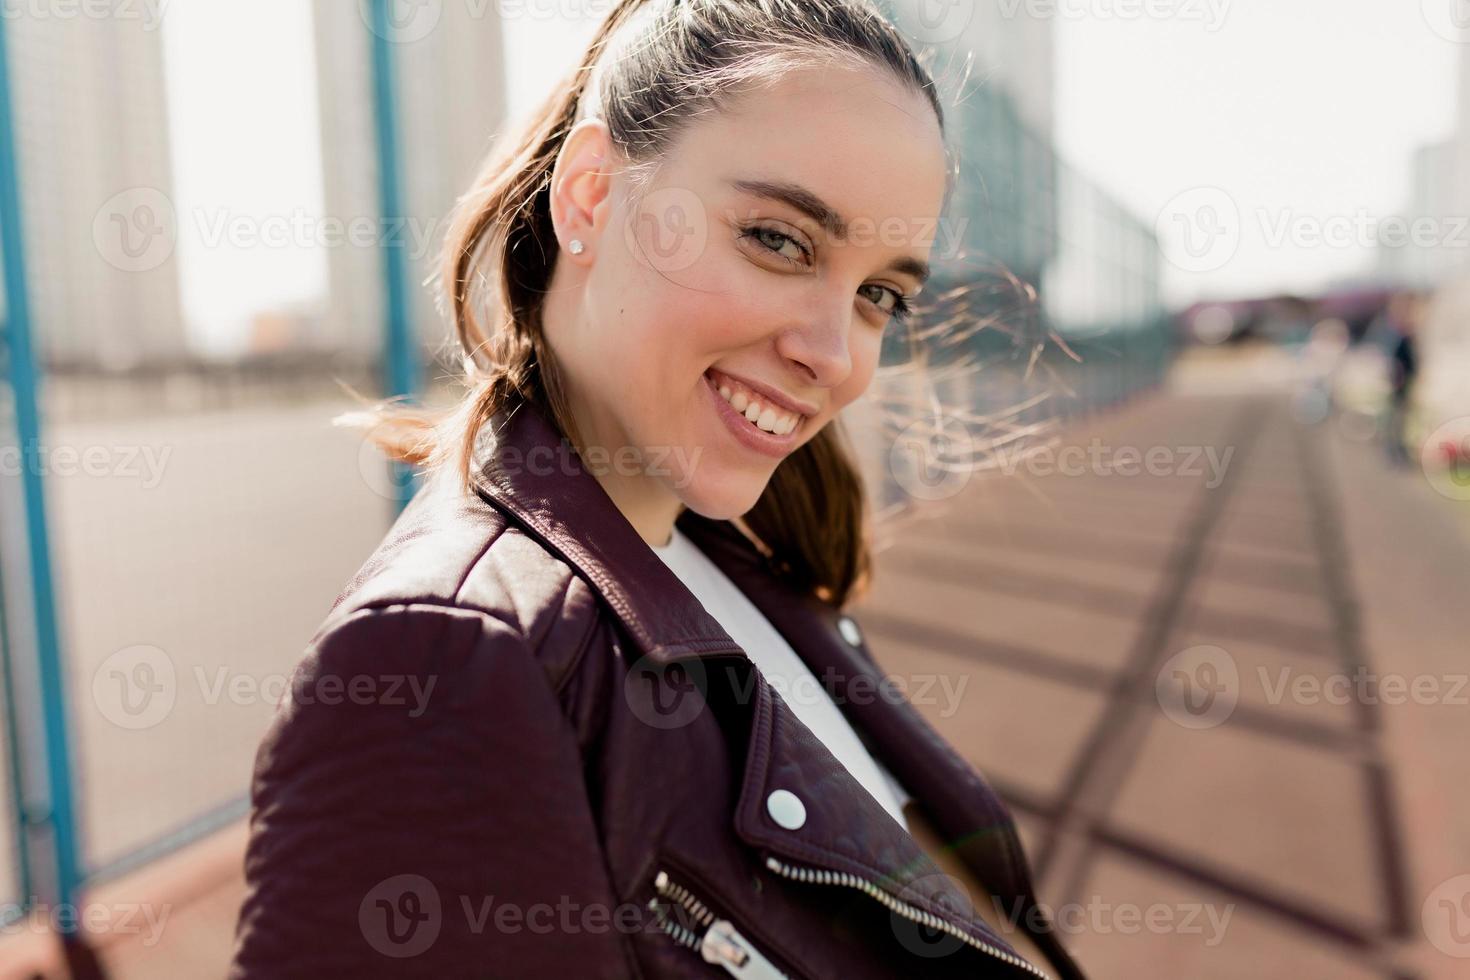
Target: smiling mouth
759	412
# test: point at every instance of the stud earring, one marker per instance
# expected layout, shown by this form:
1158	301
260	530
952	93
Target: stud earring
575	246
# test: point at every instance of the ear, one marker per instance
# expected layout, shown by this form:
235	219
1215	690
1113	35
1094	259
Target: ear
580	185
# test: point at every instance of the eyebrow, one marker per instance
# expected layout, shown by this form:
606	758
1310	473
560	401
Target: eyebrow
823	213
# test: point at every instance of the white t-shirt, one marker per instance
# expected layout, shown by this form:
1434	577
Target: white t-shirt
792	679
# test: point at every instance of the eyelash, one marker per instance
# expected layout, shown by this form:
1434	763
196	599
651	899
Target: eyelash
901	306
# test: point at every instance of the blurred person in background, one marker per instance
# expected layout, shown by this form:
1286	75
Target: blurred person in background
1395	330
540	733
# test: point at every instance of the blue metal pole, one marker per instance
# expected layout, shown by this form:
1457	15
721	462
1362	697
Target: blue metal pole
400	356
28	431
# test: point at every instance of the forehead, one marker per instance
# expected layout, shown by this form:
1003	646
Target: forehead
858	138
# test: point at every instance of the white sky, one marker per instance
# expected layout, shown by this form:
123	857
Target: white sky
1304	110
1308	109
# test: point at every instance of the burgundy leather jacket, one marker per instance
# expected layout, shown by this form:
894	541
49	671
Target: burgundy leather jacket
518	746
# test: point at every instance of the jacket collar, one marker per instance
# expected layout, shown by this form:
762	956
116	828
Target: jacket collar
526	467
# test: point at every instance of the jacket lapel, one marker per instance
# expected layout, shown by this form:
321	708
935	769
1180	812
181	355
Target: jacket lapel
525	468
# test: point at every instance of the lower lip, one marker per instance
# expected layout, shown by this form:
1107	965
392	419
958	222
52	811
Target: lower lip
749	434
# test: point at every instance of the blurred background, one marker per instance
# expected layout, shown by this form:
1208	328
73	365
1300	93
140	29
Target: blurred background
1200	611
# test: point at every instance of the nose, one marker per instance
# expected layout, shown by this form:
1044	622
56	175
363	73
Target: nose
818	345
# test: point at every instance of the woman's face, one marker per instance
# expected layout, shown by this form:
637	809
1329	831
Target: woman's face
728	285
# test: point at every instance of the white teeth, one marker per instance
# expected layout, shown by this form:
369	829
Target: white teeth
767	417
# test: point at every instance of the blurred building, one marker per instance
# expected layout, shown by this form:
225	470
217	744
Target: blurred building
92	143
1441	193
995	72
450	103
1436	198
1019	209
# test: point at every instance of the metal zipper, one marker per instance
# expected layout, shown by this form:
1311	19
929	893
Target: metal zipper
714	939
822	876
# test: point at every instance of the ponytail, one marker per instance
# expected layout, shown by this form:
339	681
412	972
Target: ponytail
648	78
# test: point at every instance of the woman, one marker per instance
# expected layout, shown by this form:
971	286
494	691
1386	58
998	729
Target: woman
541	733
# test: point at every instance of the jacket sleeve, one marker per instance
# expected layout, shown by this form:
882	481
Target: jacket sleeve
419	810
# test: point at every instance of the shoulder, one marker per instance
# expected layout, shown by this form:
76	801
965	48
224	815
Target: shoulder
454	570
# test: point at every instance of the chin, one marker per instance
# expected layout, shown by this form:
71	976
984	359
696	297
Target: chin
724	499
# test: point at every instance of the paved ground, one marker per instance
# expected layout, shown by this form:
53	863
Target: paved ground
1151	668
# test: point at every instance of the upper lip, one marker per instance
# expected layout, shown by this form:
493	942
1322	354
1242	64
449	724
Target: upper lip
773	395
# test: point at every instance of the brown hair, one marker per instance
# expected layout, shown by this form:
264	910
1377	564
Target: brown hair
652	67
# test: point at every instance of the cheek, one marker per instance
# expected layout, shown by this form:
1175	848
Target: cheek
866	346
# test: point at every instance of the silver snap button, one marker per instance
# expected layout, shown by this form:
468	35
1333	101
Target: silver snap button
786	808
848	627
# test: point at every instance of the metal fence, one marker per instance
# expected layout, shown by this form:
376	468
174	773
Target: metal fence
1091	333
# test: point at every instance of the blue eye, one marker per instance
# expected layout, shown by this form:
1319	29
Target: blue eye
900	309
762	234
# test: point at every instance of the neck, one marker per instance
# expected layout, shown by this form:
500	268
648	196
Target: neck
650	509
643	499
